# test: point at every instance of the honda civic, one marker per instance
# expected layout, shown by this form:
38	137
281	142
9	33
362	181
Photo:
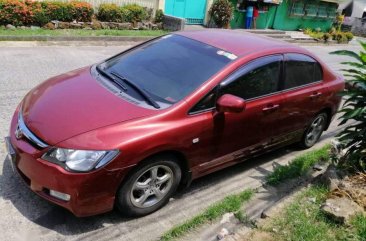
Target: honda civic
129	131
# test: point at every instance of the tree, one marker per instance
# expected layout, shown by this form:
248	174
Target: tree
221	13
353	137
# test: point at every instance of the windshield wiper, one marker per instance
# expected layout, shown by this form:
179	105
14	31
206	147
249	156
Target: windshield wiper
114	80
142	92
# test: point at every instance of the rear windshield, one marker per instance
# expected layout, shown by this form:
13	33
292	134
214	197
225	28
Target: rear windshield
169	68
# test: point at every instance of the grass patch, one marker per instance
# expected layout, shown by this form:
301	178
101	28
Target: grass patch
230	203
299	166
81	32
242	217
359	224
303	220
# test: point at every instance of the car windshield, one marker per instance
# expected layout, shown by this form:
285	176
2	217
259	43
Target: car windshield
170	67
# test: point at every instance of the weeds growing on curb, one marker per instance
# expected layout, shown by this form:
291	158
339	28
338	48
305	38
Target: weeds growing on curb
299	166
230	203
360	225
242	217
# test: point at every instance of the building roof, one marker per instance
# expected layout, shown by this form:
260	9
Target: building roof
237	42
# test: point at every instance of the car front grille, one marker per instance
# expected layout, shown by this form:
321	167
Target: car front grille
23	132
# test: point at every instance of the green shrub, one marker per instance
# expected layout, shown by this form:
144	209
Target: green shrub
19	12
349	36
307	31
81	11
332	30
112	13
354	109
334	36
129	13
15	12
40	18
136	13
339	21
317	35
159	16
58	11
326	37
221	12
341	37
69	11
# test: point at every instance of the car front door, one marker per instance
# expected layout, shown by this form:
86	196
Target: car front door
231	136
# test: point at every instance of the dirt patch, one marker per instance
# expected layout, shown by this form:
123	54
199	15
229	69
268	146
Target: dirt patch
354	188
262	236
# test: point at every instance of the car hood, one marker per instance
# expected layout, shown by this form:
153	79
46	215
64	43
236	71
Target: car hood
72	104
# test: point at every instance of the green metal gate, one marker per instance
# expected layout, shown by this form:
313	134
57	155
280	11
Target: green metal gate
192	10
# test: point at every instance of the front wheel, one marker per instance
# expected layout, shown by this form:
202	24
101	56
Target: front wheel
314	131
149	187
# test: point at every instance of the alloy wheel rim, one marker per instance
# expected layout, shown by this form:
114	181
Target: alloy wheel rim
315	130
152	186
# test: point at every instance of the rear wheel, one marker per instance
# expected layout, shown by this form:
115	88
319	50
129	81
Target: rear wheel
314	131
150	186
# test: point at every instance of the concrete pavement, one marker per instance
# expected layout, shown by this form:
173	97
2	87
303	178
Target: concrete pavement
25	216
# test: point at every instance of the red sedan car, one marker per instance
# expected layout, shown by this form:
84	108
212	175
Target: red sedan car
127	132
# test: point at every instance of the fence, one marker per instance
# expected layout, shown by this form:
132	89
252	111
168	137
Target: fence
153	4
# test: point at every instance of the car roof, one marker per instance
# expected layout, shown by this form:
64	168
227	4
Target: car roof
237	42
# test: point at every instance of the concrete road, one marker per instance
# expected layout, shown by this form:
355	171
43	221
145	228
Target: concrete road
25	216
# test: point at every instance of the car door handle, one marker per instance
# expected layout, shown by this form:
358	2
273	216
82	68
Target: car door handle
315	95
271	108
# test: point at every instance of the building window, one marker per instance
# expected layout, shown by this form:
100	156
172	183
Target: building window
297	8
312	9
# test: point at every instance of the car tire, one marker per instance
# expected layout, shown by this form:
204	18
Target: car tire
314	131
150	186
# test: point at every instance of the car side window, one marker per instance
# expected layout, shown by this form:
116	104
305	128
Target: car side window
206	103
259	80
301	70
318	72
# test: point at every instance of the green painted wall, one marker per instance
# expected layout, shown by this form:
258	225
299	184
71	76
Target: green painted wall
238	20
265	20
284	21
278	17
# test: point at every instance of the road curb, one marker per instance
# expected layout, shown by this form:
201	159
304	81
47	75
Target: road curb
43	38
77	38
261	207
302	182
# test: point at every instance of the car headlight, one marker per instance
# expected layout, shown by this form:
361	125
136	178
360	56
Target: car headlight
79	160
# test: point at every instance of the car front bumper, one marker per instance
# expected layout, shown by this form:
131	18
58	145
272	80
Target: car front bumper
90	193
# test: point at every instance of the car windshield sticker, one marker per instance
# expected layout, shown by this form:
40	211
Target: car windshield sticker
227	54
170	99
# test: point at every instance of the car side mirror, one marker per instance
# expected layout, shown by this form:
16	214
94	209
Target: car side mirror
230	103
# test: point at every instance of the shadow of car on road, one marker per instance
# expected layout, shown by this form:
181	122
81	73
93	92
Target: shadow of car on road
60	220
42	212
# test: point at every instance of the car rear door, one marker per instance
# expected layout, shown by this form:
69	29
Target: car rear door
303	92
230	136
